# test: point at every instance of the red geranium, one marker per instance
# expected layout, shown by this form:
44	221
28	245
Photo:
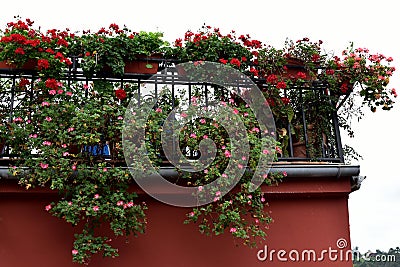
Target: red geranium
120	94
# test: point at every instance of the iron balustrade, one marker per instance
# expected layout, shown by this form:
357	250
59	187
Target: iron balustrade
317	136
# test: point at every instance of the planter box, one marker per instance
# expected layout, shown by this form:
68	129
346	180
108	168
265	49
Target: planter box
309	210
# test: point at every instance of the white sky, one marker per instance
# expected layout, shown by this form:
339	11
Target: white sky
374	209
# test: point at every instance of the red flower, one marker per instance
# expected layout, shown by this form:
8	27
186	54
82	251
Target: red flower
315	57
235	61
394	92
281	85
120	94
254	71
62	42
20	51
285	100
344	87
178	42
272	79
330	71
23	83
50	51
223	61
301	75
52	84
43	64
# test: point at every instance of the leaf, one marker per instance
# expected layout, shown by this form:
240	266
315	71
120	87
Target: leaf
149	66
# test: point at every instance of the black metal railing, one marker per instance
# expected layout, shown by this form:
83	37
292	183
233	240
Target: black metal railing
310	131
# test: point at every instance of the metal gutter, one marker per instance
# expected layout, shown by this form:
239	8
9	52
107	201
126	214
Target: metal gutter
292	169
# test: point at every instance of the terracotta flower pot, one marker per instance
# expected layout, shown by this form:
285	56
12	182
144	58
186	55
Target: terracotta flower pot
142	65
31	64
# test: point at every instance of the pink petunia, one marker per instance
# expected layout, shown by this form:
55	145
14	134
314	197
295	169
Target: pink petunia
96	208
44	165
48	207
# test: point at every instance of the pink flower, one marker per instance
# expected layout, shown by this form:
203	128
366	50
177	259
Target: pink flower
250	196
64	146
44	165
45	104
120	118
191	214
284	173
48	119
130	204
19	119
74	252
68	93
262	199
105	169
224	175
240	166
243	158
73	167
245	114
235	111
205	136
205	171
70	129
216	199
200	188
47	208
65	154
120	203
233	230
85	86
257	221
96	196
47	143
218	193
183	115
158	110
33	136
255	129
96	208
202	121
266	151
69	203
60	91
227	154
193	135
52	92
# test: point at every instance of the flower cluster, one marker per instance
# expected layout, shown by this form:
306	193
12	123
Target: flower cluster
209	44
23	46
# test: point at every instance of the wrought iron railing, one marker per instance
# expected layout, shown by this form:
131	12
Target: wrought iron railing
311	133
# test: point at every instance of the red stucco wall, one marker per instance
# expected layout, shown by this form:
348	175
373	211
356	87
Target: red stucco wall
308	214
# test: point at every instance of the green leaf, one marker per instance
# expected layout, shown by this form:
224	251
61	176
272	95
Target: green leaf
149	66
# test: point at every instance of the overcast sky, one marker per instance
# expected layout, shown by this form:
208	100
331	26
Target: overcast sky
375	208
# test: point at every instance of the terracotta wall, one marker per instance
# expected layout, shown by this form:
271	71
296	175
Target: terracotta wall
309	213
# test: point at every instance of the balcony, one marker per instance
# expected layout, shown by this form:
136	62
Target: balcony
311	135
